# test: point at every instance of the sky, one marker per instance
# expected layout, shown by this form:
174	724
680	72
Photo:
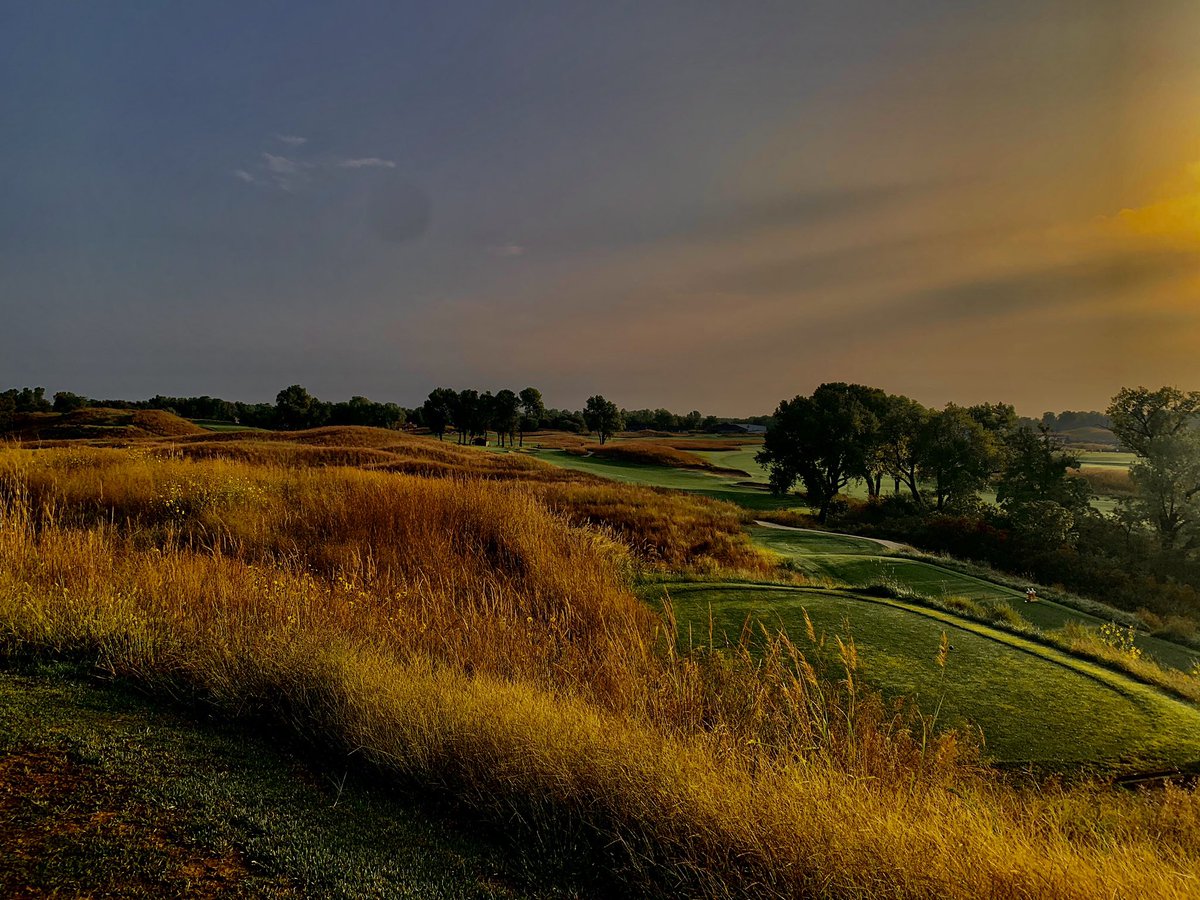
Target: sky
710	205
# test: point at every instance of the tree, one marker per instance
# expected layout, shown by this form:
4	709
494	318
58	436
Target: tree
1161	428
296	408
361	411
533	411
8	409
665	420
822	440
898	450
956	454
65	402
602	417
1038	469
506	414
30	400
464	412
692	421
438	410
485	413
876	403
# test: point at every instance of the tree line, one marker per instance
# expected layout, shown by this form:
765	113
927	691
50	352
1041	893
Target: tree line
937	463
294	408
941	458
472	414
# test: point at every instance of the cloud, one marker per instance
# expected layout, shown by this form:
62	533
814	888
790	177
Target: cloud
288	174
507	250
716	219
292	140
281	165
366	162
1084	284
243	175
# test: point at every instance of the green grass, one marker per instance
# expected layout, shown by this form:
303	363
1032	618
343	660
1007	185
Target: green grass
212	425
103	795
1034	704
1115	458
737	458
858	562
718	487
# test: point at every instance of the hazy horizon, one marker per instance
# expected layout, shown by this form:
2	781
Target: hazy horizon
689	205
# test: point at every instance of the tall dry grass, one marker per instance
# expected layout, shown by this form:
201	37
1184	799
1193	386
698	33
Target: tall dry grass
1107	481
466	637
656	454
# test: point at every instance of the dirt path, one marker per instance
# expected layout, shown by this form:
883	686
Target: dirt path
886	544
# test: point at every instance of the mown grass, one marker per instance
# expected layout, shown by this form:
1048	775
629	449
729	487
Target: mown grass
464	635
860	562
728	489
1035	704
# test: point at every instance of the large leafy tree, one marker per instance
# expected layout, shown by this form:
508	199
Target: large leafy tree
464	412
506	415
877	404
485	413
956	455
438	410
1038	468
898	449
602	417
533	411
823	441
296	408
1160	426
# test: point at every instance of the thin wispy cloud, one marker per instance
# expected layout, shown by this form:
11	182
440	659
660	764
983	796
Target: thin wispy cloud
508	250
281	165
292	140
366	162
243	175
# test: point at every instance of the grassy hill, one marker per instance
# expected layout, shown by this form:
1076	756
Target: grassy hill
100	424
1034	704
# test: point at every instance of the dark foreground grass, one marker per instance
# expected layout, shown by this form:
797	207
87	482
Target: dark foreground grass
105	795
1034	704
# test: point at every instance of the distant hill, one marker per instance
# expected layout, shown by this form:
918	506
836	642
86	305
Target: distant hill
100	423
1087	435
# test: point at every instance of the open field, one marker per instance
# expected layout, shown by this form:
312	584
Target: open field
463	624
1034	704
1116	458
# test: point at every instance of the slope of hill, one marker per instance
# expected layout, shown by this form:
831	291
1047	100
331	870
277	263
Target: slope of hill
101	424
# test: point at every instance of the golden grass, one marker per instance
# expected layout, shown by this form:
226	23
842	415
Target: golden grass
466	636
665	528
99	423
1107	481
1087	642
657	454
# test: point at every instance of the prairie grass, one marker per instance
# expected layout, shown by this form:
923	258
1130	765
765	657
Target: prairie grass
1090	643
656	454
1107	481
478	638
